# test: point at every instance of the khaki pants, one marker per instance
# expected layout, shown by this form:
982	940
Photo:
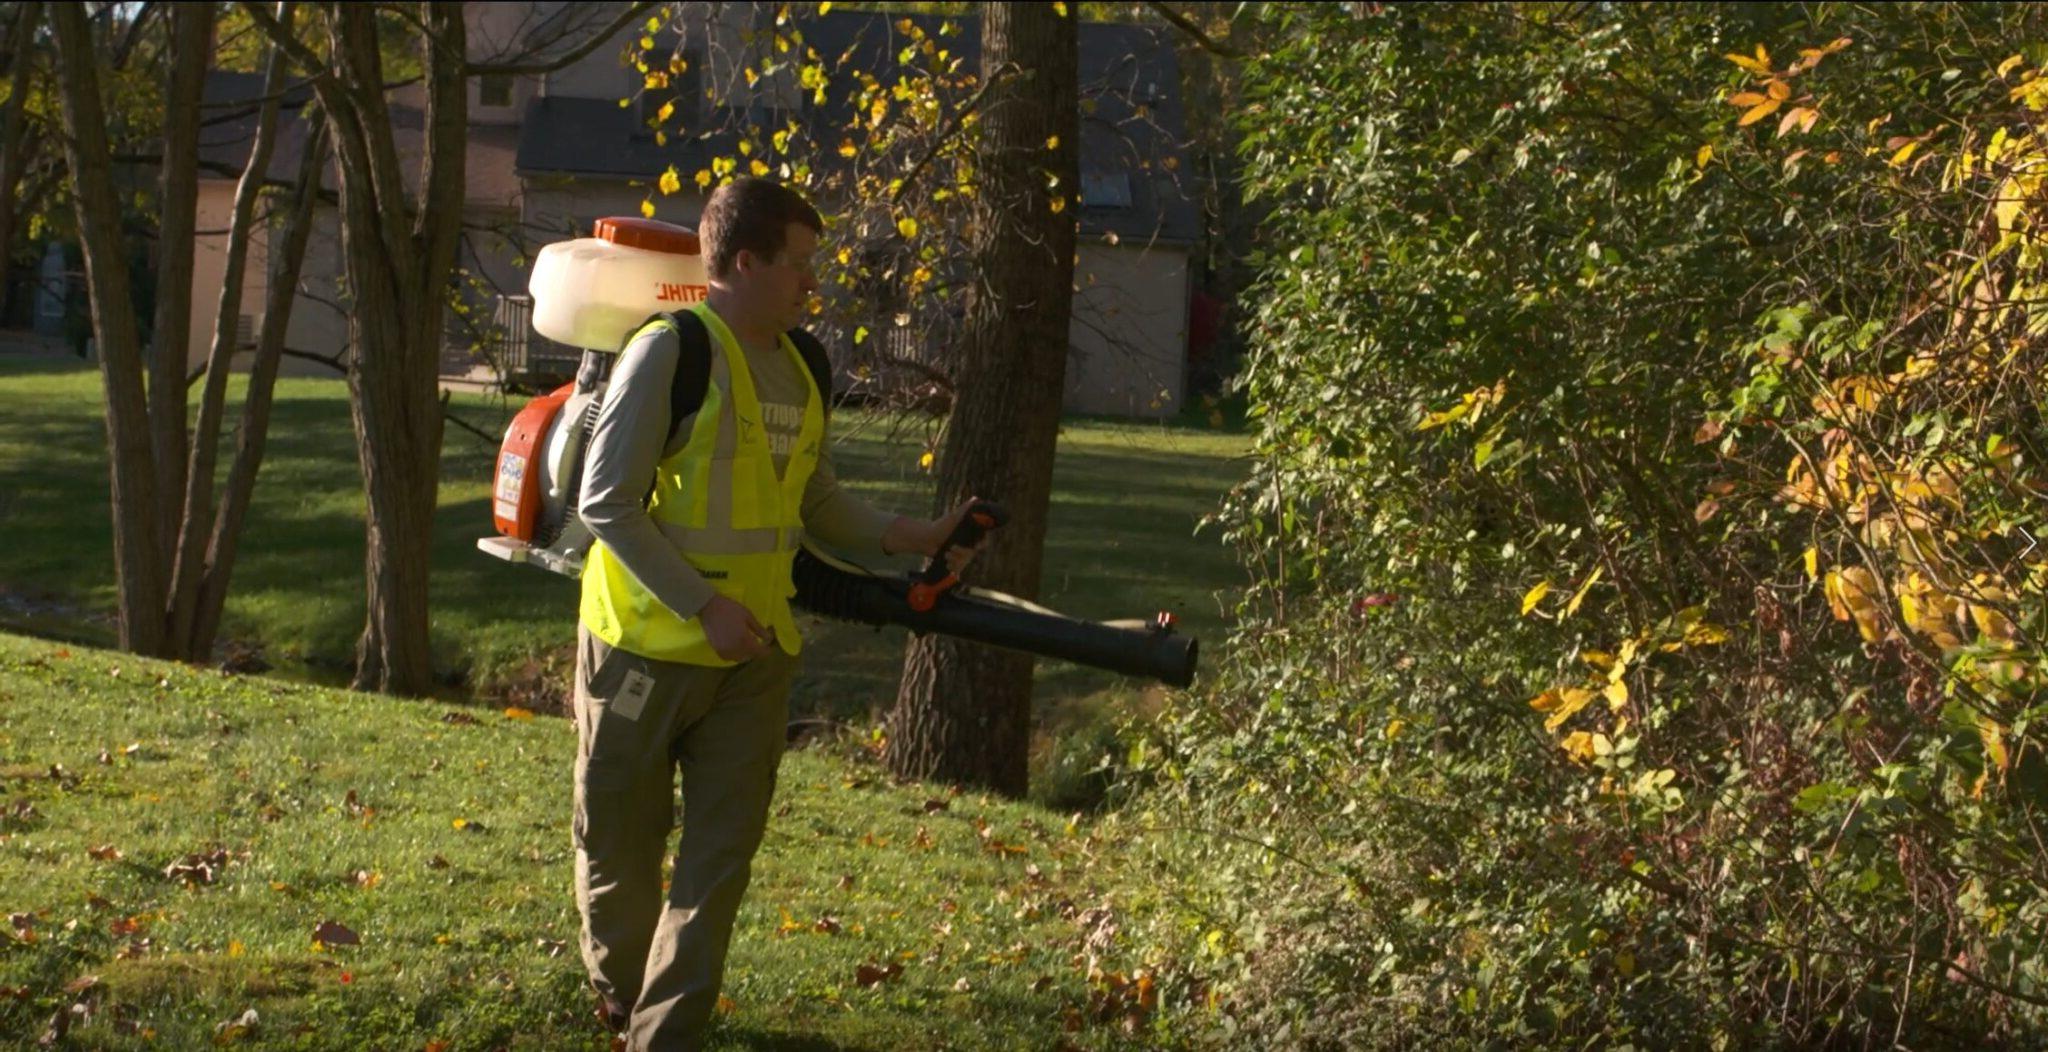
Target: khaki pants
637	721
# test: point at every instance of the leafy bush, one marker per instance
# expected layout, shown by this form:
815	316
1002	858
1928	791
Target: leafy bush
1646	642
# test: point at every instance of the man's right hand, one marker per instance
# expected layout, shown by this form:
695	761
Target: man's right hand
733	632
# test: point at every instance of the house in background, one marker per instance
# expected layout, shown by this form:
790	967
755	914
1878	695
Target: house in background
550	154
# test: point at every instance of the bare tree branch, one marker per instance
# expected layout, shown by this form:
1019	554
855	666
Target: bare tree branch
954	121
449	415
306	58
539	66
1187	25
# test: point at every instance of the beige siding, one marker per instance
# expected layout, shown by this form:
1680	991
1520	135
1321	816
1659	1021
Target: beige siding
319	322
216	209
1129	334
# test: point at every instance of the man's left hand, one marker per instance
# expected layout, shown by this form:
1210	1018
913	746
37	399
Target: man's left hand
925	538
958	558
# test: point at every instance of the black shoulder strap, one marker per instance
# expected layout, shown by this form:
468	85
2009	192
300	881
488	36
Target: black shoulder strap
693	367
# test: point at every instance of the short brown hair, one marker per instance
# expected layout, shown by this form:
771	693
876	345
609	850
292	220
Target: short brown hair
750	214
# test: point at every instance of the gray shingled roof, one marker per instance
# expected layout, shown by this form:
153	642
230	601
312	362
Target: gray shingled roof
227	119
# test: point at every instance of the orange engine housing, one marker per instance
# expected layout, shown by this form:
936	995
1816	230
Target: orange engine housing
516	499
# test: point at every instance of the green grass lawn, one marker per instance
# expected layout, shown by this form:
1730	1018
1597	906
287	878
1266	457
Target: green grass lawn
1122	543
439	837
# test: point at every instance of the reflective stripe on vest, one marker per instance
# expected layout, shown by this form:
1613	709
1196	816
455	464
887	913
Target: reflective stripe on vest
721	503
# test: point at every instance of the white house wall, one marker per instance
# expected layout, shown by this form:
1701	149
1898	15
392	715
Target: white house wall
1129	333
215	209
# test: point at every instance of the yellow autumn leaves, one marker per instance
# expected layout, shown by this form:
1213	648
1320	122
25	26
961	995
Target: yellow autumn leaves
1534	596
1471	406
1606	675
1776	94
1944	615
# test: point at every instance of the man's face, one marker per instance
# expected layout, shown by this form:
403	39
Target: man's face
780	288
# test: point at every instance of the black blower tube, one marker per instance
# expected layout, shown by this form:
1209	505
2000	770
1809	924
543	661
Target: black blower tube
1136	648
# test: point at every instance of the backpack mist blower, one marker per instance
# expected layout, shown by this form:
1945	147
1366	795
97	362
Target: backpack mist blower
593	294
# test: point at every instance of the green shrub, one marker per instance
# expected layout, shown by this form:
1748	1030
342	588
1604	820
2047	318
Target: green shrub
1644	645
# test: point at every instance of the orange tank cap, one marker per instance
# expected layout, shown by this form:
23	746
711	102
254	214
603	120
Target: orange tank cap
650	234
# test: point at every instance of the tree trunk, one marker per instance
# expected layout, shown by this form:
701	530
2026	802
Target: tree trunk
963	713
400	256
14	144
198	575
170	336
288	254
138	548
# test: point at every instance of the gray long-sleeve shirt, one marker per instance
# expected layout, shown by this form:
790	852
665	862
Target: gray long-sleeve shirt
632	437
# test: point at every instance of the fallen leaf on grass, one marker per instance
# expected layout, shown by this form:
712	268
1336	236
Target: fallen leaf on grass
126	926
365	879
334	933
198	868
935	805
726	1005
229	1031
105	853
458	719
871	974
437	862
19	993
517	713
845	882
827	925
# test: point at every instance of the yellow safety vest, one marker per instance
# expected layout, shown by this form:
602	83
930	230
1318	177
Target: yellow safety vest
718	499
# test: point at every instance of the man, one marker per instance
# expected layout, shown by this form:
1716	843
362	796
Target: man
686	644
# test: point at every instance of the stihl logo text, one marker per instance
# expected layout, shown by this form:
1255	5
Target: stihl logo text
666	292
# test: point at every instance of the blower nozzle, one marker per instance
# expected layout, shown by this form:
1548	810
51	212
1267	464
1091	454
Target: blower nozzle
831	588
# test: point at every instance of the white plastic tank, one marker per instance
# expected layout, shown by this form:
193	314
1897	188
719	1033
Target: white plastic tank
593	292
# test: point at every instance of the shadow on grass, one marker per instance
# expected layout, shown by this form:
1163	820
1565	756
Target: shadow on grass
1121	540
